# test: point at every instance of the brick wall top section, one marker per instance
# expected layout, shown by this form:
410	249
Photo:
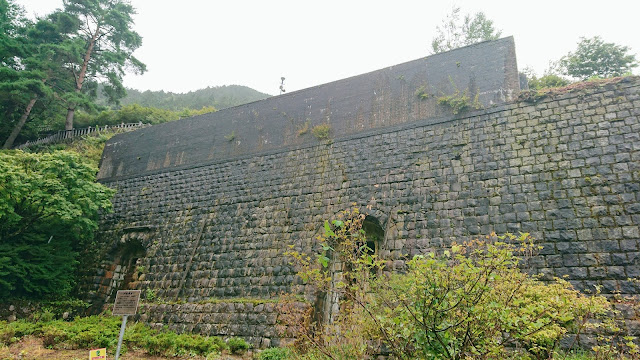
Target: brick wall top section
402	93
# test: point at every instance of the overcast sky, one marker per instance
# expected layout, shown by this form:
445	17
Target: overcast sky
191	44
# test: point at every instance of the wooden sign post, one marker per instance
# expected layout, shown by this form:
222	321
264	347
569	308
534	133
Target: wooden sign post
126	304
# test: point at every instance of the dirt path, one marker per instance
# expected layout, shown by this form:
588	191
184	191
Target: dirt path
30	348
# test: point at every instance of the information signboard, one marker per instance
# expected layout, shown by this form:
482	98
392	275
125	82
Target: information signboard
126	302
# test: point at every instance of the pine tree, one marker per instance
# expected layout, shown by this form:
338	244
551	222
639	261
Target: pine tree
104	47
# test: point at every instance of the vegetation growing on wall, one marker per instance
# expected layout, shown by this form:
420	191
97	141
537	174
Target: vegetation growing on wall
546	81
593	59
88	147
303	129
459	102
421	93
321	131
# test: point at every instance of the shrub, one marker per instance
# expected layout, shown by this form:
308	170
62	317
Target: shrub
321	131
163	343
275	354
237	345
52	335
474	301
421	93
93	332
303	129
17	330
7	334
102	331
49	205
547	81
45	315
459	102
470	301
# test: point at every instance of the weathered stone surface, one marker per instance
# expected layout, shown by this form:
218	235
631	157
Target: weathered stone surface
400	94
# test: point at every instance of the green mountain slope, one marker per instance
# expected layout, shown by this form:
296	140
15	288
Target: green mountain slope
219	97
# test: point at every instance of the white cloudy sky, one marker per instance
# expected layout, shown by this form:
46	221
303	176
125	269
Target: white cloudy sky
192	44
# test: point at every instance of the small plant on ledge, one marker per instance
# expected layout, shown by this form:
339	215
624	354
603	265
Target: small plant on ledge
460	102
321	131
304	128
422	93
231	136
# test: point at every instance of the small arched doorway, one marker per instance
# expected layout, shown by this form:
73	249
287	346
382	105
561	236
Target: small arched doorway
328	304
373	233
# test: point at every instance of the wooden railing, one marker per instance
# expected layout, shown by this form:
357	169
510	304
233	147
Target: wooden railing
63	135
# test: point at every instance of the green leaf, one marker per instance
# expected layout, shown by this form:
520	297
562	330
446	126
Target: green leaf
327	230
323	260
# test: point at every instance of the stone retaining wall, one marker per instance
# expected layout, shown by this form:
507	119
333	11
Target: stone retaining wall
564	167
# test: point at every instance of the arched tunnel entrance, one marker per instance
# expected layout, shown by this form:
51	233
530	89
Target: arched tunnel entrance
121	272
328	305
373	233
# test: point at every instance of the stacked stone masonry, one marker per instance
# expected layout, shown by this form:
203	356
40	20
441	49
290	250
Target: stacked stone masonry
564	167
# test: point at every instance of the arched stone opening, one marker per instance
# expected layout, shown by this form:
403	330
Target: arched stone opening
328	304
129	254
125	271
374	233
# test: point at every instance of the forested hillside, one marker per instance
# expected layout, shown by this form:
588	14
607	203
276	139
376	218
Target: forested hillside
65	70
219	97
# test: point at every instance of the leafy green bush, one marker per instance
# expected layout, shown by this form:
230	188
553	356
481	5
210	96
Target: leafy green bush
17	330
547	81
470	301
474	301
49	205
103	331
53	335
460	102
275	354
91	331
237	345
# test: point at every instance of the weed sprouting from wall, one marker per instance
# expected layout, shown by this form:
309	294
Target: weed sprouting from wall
301	130
460	102
321	131
421	93
231	136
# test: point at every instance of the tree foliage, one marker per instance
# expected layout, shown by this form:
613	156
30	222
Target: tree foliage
550	79
102	49
11	21
20	84
596	58
34	84
135	113
547	81
49	205
55	63
456	32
